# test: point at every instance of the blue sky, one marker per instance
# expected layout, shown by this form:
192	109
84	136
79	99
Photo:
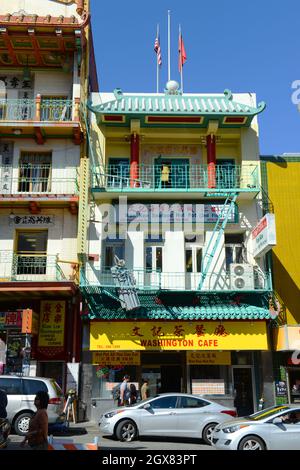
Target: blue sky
246	46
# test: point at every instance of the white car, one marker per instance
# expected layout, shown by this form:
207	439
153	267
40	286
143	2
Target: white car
275	428
169	415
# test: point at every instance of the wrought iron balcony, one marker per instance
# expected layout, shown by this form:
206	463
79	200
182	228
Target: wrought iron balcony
39	179
38	109
30	267
183	177
150	280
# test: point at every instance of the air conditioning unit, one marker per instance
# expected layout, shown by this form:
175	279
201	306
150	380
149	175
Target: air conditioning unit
241	277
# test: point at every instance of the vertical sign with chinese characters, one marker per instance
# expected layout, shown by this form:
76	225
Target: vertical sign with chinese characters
52	324
6	158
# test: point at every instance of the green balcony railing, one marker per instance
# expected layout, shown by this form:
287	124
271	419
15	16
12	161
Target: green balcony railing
177	177
40	179
29	267
53	110
151	280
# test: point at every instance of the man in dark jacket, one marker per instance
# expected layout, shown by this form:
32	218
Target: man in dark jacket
3	404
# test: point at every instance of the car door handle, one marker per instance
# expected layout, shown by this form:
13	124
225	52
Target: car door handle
172	413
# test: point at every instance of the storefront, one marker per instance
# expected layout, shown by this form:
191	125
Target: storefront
287	359
216	359
40	341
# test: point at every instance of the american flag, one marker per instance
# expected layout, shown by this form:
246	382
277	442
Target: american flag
157	50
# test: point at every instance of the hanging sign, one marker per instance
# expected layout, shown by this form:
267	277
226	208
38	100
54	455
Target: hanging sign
264	235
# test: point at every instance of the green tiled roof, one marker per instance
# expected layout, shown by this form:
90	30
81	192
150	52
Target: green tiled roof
176	105
211	307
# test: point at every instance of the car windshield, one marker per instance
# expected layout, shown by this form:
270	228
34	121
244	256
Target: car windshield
268	412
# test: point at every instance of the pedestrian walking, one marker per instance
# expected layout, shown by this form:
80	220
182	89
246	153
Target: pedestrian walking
145	389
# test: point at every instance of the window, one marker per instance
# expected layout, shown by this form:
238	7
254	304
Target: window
31	251
165	402
31	387
11	386
193	259
153	255
35	172
118	172
190	402
112	249
234	249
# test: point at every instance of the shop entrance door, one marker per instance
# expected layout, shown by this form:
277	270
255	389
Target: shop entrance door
170	378
294	384
243	387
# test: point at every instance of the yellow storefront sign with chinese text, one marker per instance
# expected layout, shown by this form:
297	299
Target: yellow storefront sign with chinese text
117	358
208	358
177	335
52	324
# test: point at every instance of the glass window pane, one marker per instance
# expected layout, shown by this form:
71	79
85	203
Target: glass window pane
11	386
165	402
190	402
189	261
198	260
149	257
31	387
32	241
159	258
109	256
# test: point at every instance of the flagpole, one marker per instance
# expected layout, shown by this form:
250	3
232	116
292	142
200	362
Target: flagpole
169	45
181	67
157	64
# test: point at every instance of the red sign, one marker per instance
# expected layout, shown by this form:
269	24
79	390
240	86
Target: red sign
13	319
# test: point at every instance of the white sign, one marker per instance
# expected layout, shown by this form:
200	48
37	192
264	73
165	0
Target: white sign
264	235
31	220
73	376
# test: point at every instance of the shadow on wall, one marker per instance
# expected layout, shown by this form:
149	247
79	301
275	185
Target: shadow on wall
287	289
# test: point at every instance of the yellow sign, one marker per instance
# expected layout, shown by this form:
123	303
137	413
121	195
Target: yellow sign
177	335
208	358
52	324
287	338
117	358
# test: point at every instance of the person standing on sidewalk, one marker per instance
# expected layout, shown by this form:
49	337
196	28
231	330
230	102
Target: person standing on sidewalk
37	436
125	391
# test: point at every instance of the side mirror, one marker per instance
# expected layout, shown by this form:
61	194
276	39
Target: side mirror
277	420
147	407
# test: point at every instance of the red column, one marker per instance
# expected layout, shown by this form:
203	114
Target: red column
134	160
211	160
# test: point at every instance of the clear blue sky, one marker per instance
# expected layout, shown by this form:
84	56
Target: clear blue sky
246	46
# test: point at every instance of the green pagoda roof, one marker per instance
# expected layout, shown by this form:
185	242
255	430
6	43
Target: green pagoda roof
194	110
210	307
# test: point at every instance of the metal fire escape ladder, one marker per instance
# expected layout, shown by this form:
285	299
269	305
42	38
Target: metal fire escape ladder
219	230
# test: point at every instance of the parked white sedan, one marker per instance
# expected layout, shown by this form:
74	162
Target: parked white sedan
275	428
169	415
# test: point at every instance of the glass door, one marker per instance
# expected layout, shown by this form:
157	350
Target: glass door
225	173
244	395
171	173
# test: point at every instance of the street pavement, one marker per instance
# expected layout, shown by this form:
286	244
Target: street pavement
83	433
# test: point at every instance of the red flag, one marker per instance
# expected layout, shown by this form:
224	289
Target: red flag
182	53
157	50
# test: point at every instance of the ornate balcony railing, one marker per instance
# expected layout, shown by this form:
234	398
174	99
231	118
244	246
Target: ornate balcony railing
156	280
178	177
39	179
29	267
38	109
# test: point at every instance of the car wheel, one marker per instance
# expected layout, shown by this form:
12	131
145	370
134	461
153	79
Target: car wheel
251	443
21	423
126	430
207	432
